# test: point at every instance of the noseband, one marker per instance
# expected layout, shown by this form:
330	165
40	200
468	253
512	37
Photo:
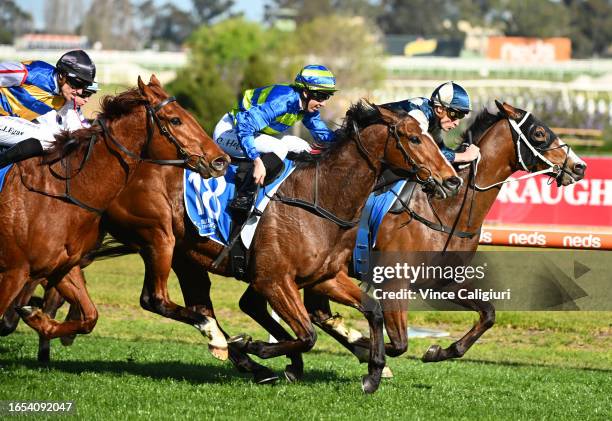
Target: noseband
518	136
193	162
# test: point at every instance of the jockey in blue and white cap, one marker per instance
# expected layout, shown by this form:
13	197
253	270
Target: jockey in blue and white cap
254	128
28	91
448	104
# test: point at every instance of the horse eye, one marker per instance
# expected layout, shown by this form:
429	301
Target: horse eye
540	134
175	121
414	139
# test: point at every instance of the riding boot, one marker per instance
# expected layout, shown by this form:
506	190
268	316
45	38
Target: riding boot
245	197
22	150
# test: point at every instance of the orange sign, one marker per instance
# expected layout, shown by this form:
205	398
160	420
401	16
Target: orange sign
573	239
529	50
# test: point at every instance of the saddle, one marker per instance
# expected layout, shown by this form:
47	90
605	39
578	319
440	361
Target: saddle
242	206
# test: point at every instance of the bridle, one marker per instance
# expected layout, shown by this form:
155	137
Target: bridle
392	131
519	138
193	162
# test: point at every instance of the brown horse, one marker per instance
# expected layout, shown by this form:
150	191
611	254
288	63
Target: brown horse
51	208
344	177
510	140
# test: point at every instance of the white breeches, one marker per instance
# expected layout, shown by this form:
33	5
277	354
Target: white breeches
225	135
14	129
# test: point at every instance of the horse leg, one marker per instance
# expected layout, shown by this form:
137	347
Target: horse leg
12	283
353	340
52	301
284	297
457	349
321	315
195	286
255	305
155	298
10	320
73	289
343	291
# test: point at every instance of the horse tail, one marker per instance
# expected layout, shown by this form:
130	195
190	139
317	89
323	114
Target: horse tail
109	248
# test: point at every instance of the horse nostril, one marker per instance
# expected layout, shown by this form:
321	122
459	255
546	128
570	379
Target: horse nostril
219	164
580	168
453	182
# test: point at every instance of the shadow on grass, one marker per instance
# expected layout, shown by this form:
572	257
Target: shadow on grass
512	364
170	370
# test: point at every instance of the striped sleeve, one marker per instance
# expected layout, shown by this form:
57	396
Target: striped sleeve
422	119
12	73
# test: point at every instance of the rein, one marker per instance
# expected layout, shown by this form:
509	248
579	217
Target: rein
151	118
314	207
520	137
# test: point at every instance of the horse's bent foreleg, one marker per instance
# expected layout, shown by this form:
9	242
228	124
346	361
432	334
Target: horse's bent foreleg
284	297
73	289
343	291
255	305
321	315
457	349
155	298
195	286
10	320
12	283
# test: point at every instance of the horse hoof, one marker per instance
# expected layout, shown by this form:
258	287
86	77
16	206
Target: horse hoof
240	341
67	340
387	373
432	354
265	376
44	357
293	375
218	352
368	384
26	311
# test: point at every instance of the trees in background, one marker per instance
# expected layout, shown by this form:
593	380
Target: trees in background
13	21
233	55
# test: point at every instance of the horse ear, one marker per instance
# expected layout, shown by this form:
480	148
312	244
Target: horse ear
388	116
509	111
154	81
141	85
145	90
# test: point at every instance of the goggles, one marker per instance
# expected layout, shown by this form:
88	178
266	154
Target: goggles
87	93
320	96
455	114
77	83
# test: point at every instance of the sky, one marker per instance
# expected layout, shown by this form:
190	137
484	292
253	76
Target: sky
253	9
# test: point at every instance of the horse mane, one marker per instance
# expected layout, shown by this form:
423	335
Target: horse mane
363	113
113	107
480	125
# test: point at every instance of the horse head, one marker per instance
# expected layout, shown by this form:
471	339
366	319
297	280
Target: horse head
408	148
183	133
538	148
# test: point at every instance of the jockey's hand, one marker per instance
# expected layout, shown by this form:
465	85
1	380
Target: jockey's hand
259	171
471	153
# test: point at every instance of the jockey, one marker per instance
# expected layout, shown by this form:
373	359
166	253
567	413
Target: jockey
448	104
32	89
70	117
249	130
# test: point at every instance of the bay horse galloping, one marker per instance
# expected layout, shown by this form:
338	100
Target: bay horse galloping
509	141
51	206
296	248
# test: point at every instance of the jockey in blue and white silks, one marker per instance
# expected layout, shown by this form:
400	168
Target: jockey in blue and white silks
448	104
254	128
29	91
